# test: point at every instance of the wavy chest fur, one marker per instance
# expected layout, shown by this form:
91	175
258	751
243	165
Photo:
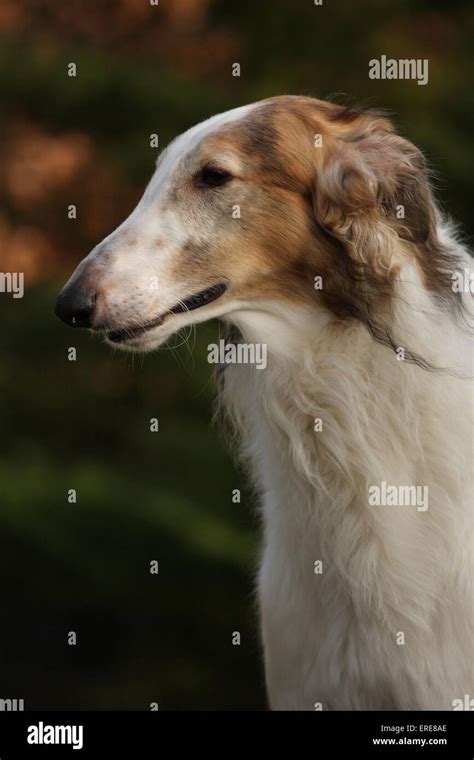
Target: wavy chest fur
362	607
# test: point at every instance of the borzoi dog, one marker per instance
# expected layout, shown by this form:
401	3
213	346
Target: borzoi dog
311	228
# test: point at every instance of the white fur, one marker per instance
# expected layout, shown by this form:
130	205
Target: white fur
330	639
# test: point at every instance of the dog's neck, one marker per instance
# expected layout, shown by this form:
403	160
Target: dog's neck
286	331
333	414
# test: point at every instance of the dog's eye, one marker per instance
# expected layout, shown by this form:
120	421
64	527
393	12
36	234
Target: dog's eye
210	176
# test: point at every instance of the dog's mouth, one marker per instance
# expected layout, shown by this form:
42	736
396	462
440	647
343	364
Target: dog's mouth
195	301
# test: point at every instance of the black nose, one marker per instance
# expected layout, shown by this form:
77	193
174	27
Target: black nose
75	305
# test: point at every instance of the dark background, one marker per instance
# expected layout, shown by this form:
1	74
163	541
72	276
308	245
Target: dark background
142	496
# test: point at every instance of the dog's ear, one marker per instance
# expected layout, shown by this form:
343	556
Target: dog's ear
368	175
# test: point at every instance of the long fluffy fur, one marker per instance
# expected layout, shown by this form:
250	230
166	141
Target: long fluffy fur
331	639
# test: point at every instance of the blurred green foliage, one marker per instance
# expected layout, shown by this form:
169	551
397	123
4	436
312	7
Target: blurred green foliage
141	496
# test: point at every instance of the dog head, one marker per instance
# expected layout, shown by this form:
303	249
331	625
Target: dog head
248	210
